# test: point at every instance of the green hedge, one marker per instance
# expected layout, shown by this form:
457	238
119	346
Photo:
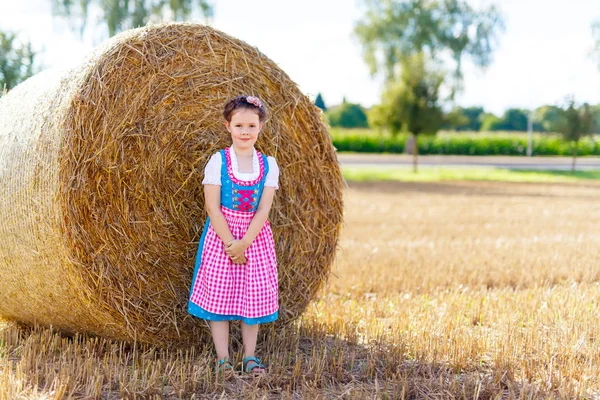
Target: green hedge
463	144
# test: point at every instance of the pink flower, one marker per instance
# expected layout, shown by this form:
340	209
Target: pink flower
254	101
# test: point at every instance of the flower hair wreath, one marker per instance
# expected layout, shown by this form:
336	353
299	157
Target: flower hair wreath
254	101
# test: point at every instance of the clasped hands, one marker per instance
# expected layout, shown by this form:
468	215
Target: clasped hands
235	250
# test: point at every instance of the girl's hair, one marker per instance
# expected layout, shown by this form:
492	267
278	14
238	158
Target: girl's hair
249	102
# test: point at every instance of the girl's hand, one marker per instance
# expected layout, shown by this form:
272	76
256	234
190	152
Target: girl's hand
235	250
239	260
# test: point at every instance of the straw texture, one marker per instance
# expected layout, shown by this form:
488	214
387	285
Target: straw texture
101	204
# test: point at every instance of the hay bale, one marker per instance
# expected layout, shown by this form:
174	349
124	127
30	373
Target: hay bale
101	204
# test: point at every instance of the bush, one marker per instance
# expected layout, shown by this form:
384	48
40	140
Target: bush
347	115
462	144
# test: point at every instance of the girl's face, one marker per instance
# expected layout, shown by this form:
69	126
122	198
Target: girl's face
244	128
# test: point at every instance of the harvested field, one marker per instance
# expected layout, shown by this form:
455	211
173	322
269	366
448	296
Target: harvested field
440	290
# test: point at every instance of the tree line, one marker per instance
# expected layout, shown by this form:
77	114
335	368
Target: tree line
572	120
545	119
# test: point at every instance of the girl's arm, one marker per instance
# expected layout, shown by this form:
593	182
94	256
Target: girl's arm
237	247
212	201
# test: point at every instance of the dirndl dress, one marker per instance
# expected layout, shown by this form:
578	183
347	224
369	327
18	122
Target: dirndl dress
222	290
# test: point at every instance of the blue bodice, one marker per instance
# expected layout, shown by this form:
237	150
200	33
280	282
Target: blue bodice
237	194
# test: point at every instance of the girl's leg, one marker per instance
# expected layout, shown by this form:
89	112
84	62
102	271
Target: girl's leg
249	335
220	335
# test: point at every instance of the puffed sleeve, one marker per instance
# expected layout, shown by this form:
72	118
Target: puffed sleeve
273	175
212	171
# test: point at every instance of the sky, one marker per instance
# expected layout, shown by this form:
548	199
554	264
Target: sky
543	54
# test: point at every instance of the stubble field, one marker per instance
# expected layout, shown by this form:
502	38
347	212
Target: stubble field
440	290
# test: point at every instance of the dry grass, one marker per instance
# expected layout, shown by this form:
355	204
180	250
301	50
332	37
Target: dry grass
441	290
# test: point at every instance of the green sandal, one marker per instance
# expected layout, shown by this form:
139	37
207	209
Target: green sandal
256	364
224	366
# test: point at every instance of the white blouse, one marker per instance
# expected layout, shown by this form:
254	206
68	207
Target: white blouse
212	171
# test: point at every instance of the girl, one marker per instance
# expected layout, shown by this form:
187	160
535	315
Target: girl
235	277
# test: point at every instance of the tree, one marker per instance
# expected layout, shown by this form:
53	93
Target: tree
395	29
319	102
348	115
595	118
17	61
384	117
464	119
489	122
545	118
574	123
411	103
121	15
455	119
474	115
515	119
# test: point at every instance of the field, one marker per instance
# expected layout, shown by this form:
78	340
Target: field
441	290
438	174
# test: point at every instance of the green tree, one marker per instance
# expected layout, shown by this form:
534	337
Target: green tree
455	119
574	123
464	119
348	115
595	118
17	61
545	118
411	103
319	102
395	29
489	122
119	15
383	117
474	115
515	119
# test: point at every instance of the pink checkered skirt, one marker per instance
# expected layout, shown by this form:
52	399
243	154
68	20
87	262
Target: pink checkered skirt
249	290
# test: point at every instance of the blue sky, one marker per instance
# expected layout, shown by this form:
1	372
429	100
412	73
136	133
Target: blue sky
543	54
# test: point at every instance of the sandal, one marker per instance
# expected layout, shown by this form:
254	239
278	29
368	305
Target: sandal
254	364
224	366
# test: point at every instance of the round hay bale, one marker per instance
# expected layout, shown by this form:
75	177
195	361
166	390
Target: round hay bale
101	204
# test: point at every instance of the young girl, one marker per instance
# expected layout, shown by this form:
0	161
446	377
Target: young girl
236	270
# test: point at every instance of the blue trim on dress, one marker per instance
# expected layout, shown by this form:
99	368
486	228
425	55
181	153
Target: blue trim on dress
200	312
199	255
